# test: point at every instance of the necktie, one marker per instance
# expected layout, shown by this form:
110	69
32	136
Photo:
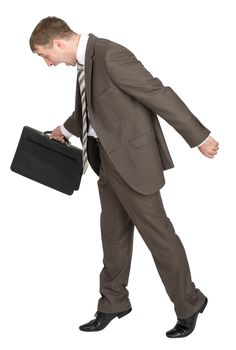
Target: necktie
81	81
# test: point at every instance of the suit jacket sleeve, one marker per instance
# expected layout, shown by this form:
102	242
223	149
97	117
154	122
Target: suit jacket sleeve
133	78
72	125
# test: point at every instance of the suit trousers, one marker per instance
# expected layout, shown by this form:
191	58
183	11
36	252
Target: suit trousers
123	209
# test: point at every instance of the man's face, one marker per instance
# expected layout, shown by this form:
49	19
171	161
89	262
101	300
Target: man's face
55	54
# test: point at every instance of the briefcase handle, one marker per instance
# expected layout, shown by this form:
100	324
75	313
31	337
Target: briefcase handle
50	131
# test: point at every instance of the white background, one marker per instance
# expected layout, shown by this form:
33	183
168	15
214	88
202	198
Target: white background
50	248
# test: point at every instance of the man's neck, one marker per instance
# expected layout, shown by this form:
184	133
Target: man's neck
75	43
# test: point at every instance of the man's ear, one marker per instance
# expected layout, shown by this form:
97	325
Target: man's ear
58	43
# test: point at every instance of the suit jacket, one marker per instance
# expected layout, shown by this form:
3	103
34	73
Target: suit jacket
123	101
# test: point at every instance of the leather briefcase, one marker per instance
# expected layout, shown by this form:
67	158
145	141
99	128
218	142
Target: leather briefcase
47	161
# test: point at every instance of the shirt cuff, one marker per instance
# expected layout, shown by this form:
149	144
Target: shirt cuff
65	132
203	141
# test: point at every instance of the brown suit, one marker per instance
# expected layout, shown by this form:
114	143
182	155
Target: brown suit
123	99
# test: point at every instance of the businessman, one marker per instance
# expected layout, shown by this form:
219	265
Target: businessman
116	114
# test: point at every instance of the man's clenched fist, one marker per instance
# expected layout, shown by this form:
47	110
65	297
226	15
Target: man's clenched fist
209	148
57	135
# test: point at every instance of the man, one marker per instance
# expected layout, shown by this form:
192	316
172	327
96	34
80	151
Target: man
115	116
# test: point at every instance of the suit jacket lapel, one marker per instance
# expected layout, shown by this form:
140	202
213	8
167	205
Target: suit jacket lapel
89	55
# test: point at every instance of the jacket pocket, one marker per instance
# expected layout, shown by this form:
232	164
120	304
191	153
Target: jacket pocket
105	93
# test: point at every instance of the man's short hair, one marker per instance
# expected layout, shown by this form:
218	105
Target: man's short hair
47	30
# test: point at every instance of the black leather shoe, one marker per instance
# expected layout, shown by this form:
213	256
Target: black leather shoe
101	321
186	326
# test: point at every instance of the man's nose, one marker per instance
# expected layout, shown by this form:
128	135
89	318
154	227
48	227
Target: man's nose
48	62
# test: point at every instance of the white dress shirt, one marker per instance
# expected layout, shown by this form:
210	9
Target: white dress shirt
80	55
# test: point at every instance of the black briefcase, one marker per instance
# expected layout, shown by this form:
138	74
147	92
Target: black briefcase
47	161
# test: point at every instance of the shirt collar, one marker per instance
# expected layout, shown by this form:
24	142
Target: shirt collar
80	54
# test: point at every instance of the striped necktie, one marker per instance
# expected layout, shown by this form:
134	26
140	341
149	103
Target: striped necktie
81	81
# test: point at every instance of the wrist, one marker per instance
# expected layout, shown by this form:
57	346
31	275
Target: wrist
65	132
